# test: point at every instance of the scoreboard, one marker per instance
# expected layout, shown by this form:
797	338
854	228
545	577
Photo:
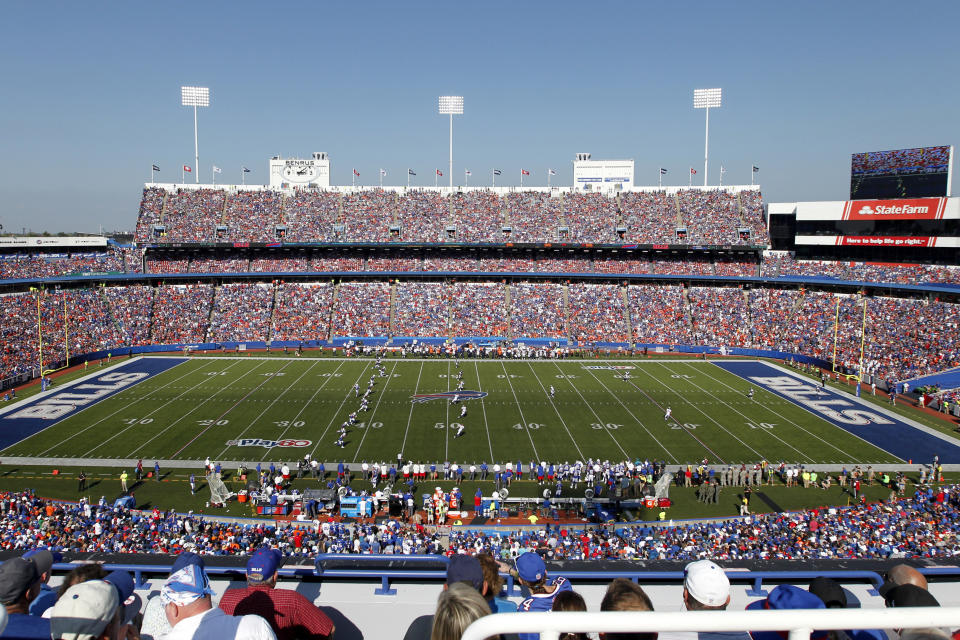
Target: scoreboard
901	173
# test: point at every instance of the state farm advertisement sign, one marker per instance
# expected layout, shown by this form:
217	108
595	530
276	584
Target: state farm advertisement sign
914	209
886	241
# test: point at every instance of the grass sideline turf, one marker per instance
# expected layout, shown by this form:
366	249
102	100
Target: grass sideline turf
173	492
195	409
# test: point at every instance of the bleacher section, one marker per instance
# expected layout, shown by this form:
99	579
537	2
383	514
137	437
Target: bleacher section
426	216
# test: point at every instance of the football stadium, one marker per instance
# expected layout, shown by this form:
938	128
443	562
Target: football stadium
303	409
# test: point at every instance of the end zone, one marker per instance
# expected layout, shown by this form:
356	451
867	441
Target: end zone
894	434
30	417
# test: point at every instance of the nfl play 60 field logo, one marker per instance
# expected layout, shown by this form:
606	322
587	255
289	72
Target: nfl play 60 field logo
268	444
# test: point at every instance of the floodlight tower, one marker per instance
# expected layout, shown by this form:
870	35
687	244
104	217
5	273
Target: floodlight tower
195	97
706	99
452	106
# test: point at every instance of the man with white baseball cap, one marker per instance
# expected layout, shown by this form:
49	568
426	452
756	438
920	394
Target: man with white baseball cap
705	588
87	611
189	609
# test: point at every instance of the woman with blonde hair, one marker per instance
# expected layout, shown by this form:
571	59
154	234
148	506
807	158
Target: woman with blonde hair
458	606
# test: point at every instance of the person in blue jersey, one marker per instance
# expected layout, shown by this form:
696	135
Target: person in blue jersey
532	573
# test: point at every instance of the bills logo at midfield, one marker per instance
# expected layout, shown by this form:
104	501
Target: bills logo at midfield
268	444
444	395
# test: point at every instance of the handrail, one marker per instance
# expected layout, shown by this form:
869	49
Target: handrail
799	622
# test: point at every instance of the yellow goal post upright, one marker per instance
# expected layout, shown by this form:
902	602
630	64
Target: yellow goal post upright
66	331
858	376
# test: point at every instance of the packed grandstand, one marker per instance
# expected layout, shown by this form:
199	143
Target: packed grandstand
569	273
730	299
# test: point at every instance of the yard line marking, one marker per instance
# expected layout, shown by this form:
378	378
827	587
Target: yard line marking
235	405
783	417
304	407
206	400
412	405
339	408
632	415
275	400
517	401
446	424
483	408
356	454
557	411
123	408
741	414
700	411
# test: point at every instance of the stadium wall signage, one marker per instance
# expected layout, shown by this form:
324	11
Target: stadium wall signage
914	209
613	367
268	444
873	210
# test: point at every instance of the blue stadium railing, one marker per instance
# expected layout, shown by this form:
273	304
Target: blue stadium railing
754	580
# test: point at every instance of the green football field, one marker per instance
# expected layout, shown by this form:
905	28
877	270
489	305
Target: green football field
226	408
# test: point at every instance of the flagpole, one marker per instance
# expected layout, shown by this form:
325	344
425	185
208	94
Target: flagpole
493	178
466	178
381	179
751	175
548	178
659	179
521	178
183	175
213	176
243	177
353	177
151	174
690	178
436	178
408	177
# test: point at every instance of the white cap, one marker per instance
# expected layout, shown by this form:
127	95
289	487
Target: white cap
706	583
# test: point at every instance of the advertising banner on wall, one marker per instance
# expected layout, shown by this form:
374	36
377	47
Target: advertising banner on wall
912	209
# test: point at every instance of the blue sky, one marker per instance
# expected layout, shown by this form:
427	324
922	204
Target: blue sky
91	92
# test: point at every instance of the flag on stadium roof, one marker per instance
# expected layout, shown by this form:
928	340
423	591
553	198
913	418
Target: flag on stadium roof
411	172
156	168
496	172
524	172
663	171
245	170
722	170
439	173
217	169
383	172
467	171
756	168
187	168
693	171
356	173
551	172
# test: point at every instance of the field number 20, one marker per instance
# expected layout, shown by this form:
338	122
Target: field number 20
685	425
